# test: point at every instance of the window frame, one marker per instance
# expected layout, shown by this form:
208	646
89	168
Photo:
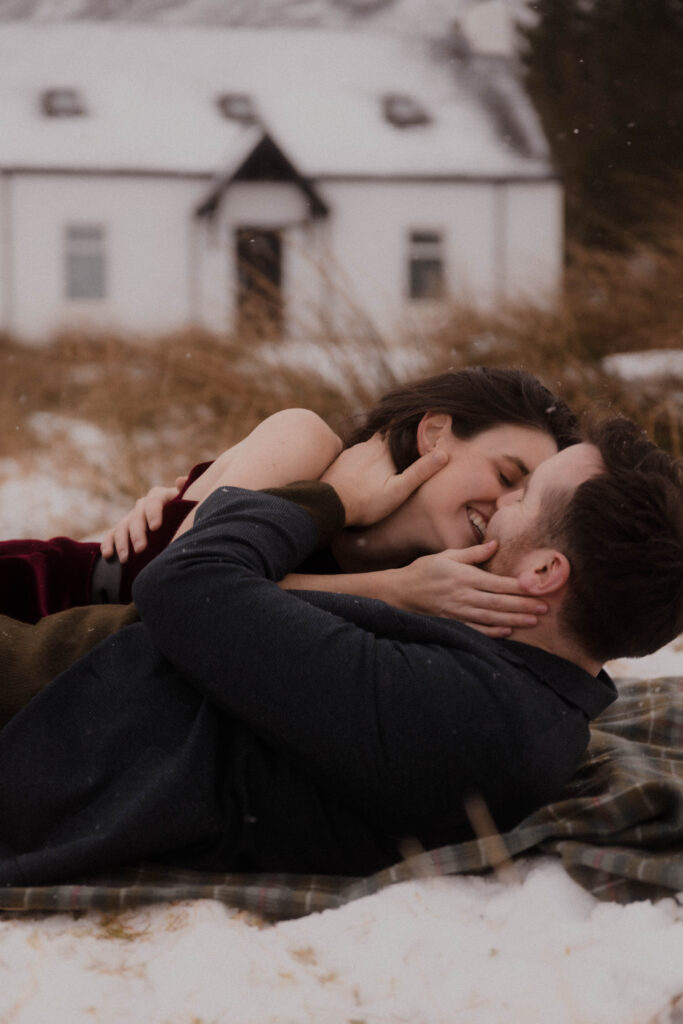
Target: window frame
85	261
426	265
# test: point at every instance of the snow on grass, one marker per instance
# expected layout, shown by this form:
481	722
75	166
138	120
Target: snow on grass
40	504
664	362
668	661
342	368
93	444
50	491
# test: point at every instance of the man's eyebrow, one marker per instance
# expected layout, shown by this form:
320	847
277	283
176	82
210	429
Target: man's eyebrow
521	465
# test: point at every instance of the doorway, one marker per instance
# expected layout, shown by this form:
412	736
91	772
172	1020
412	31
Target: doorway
260	307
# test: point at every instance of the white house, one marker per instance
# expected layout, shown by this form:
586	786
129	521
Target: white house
153	177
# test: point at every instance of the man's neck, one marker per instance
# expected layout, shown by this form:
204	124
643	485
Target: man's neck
548	635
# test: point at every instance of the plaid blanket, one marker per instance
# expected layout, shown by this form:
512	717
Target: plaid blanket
618	829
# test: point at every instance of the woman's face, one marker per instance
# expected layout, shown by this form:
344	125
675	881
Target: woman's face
452	509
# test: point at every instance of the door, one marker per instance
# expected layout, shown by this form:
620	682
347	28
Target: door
260	310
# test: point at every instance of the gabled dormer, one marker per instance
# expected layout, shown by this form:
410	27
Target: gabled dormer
263	160
404	111
237	106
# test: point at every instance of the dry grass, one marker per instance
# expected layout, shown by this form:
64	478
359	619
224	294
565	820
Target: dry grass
611	304
174	400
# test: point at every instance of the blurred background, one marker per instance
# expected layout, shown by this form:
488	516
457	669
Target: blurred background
211	210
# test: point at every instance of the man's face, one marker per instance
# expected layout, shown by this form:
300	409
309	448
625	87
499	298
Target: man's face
516	522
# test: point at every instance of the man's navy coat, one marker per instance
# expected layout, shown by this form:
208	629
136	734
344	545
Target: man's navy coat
242	727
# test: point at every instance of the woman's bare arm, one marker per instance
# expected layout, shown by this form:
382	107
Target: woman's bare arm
294	444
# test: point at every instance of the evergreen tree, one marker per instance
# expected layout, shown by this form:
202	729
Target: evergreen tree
607	80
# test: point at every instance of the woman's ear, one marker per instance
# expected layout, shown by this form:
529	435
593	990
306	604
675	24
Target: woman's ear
430	429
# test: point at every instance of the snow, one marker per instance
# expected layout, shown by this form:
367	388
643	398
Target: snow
150	93
665	362
485	21
29	500
50	492
666	662
472	950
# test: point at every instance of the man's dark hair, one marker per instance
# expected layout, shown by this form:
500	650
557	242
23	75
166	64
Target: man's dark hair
476	398
622	532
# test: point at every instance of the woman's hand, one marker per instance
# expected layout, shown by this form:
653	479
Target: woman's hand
450	585
145	516
366	481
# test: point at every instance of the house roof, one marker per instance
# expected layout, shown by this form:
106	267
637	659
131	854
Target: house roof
150	95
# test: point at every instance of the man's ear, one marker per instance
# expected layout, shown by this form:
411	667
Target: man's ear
430	429
545	572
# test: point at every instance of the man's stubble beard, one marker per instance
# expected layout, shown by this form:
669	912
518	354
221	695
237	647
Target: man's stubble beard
505	561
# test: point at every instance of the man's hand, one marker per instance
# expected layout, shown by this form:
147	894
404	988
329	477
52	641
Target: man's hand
146	515
367	483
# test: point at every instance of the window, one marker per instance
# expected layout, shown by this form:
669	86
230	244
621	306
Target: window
85	261
62	103
426	279
403	111
237	106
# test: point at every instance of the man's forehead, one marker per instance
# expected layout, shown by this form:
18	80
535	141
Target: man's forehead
570	467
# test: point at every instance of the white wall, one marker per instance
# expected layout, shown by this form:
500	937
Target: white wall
534	243
166	269
6	295
370	237
499	240
147	224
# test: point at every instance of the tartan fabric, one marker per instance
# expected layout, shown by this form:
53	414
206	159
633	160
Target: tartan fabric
618	829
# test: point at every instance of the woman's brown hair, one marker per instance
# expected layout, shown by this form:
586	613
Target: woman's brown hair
476	398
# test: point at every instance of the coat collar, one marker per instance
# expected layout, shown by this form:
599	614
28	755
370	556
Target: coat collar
590	693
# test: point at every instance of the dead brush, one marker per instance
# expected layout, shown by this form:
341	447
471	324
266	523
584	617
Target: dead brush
611	303
165	403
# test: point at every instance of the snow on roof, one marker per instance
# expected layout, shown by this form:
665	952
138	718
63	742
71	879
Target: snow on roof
150	96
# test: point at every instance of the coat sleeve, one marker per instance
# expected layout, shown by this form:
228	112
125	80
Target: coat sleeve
365	714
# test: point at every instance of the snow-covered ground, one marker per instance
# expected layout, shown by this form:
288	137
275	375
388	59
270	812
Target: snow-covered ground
473	950
466	950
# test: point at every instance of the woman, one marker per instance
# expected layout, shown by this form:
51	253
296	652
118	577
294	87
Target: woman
496	426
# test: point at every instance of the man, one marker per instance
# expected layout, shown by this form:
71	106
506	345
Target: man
240	727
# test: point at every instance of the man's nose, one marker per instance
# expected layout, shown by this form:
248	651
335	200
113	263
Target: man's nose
509	497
